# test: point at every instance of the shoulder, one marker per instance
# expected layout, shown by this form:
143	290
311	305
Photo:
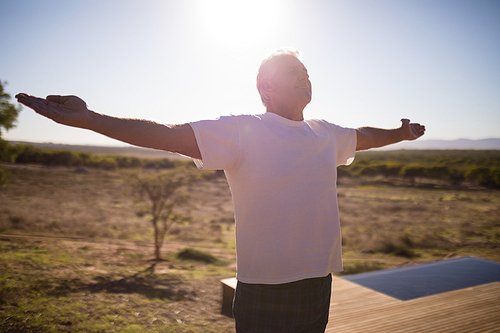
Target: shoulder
326	124
223	126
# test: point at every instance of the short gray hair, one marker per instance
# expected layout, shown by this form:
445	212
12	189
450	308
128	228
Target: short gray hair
268	68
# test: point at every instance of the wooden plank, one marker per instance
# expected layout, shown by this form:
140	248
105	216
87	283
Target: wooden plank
412	309
228	288
475	309
400	319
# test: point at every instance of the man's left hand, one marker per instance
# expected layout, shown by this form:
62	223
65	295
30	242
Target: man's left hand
411	131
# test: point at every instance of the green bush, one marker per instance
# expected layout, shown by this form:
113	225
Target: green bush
128	162
3	177
438	172
412	172
28	155
196	255
164	163
105	162
25	154
486	176
7	151
495	174
401	246
361	267
60	158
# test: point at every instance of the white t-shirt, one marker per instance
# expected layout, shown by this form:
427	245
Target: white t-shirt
283	176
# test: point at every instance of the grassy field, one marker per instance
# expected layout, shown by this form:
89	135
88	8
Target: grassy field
75	255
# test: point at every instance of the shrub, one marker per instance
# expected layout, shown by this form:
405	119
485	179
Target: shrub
412	172
3	177
60	158
480	175
128	162
164	163
106	163
391	170
438	172
433	239
456	176
361	267
7	151
27	155
369	170
386	170
397	248
196	255
400	247
495	175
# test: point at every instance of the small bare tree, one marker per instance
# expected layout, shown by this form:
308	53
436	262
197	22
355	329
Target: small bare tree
158	194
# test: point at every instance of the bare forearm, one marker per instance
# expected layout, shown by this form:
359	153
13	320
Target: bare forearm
371	137
377	137
138	132
146	133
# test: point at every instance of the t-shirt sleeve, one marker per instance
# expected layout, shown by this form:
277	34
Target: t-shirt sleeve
346	144
218	141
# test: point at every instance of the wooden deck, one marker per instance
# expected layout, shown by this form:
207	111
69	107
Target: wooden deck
358	309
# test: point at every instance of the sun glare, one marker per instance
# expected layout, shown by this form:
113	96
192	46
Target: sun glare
238	22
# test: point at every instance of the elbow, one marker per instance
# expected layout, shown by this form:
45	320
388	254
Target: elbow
364	140
360	147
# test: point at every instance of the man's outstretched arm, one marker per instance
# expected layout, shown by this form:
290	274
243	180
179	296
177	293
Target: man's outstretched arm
73	111
371	137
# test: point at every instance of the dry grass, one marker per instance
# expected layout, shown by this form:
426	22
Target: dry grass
59	285
93	203
419	223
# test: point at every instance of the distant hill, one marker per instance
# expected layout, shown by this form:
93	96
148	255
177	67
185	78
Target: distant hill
461	144
99	150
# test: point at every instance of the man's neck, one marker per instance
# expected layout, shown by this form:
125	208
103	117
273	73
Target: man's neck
288	113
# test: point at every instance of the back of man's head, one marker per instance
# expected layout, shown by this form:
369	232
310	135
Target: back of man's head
268	67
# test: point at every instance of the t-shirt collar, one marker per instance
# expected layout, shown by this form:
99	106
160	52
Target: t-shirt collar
285	121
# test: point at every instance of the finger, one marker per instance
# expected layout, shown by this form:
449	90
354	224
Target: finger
24	96
21	97
28	99
56	98
421	130
405	120
36	103
417	130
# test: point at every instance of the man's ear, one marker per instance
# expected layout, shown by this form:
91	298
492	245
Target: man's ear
268	87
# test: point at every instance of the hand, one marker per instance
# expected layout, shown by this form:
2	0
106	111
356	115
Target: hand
411	131
66	110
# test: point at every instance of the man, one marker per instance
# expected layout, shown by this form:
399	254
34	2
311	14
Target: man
282	173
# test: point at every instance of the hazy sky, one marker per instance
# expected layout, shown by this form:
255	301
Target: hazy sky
371	62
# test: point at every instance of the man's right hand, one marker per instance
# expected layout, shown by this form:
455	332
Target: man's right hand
66	110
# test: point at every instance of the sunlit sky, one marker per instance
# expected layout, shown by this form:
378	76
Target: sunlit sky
371	62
